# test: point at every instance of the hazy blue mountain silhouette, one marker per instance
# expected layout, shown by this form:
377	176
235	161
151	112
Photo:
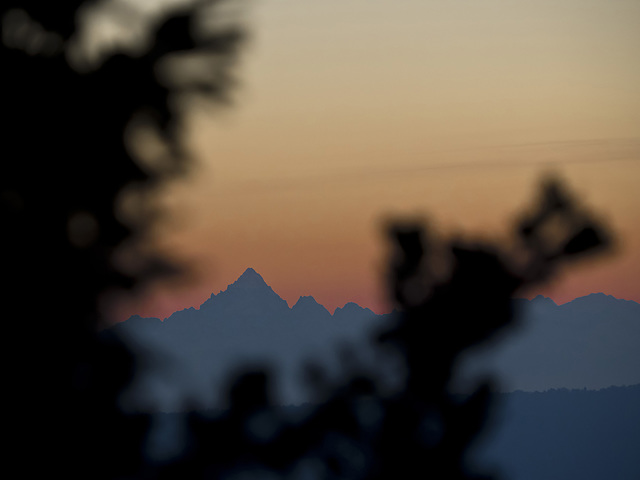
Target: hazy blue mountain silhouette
307	308
246	324
246	298
590	342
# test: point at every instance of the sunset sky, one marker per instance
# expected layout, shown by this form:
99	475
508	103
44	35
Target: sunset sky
349	112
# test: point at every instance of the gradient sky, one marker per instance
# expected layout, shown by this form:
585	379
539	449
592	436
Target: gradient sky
352	111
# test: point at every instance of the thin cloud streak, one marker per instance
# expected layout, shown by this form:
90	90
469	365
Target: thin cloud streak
307	182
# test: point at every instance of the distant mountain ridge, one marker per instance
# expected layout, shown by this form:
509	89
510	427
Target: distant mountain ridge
263	301
589	342
247	323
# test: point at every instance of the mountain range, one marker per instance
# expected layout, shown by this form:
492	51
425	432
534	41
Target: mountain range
591	342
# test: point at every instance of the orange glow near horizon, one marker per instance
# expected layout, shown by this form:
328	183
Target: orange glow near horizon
351	113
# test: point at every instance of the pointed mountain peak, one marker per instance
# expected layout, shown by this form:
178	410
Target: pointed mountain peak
542	300
307	301
249	290
350	308
250	278
307	305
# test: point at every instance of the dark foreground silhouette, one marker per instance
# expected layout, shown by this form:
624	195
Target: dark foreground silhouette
65	161
556	434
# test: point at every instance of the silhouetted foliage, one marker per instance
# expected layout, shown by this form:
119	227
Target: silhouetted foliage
66	162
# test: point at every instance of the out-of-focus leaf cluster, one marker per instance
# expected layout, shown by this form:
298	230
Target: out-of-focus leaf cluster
65	166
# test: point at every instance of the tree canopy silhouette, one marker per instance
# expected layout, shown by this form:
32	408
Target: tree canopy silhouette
66	163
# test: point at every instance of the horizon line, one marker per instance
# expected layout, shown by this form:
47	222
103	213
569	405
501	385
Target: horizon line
251	269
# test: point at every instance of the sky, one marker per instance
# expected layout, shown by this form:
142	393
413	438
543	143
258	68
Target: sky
351	112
